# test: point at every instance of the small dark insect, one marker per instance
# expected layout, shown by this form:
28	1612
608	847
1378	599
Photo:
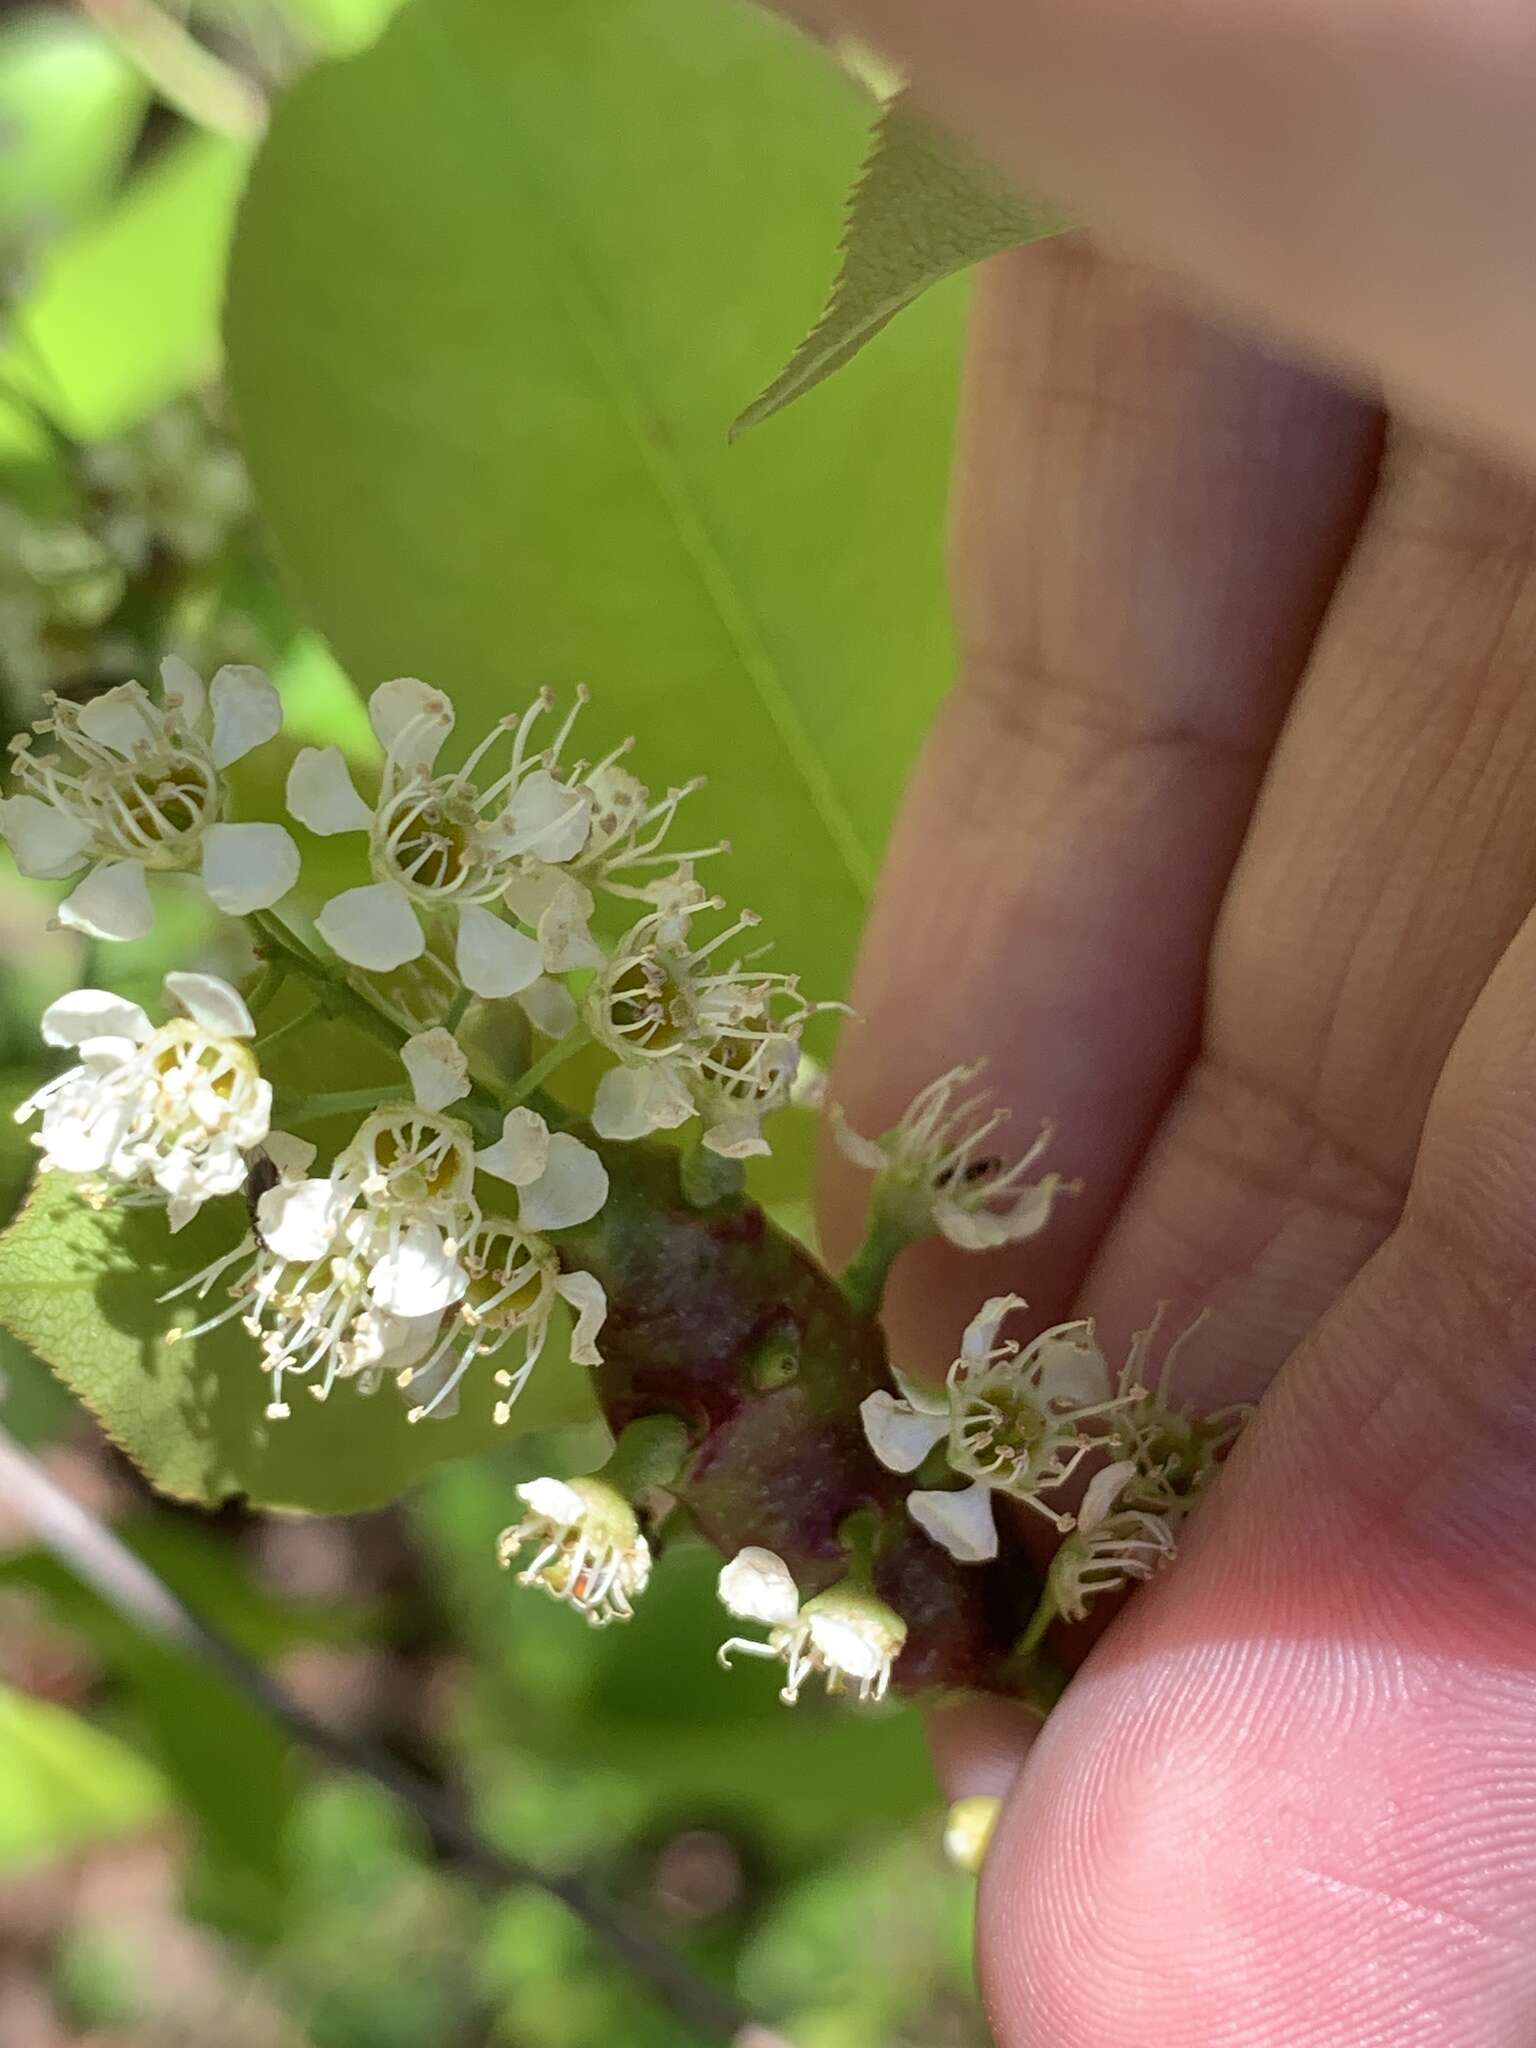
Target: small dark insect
260	1176
979	1169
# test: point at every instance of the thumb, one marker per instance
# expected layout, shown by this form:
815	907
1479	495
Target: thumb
1289	1801
1354	175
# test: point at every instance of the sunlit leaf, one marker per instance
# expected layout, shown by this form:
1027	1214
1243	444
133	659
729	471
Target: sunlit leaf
496	289
923	209
70	106
83	1289
65	1784
124	314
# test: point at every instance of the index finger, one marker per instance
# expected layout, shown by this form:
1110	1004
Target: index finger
1354	175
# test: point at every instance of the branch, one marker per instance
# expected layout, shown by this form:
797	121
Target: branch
98	1558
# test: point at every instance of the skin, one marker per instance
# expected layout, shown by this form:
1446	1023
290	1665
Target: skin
1223	850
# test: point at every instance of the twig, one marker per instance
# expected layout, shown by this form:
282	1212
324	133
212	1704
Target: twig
97	1557
187	77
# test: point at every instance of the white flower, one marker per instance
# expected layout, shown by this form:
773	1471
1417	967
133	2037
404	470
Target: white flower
1174	1451
1111	1545
588	1550
514	1283
938	1172
305	1289
560	1182
845	1634
1014	1424
150	1113
691	1037
133	786
438	843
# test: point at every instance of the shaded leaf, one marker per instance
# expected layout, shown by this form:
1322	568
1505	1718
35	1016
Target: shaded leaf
64	1783
82	1289
924	207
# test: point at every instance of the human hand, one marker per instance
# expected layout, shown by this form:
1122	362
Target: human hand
1355	175
1223	850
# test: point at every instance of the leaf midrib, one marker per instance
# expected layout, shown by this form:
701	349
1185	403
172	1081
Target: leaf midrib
582	311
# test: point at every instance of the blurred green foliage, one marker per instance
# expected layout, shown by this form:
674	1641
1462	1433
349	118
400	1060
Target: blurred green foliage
499	287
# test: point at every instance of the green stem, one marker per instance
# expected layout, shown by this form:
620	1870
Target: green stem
456	1009
863	1278
276	1037
310	1109
1034	1634
273	974
535	1076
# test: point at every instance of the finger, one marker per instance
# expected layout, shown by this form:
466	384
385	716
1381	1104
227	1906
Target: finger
1149	521
1390	862
1289	1800
1353	173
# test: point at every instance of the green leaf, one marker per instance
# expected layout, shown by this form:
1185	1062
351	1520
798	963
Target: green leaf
125	312
70	106
64	1784
496	288
83	1289
923	209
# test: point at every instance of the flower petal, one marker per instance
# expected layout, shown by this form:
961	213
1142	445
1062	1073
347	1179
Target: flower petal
248	867
211	1003
246	711
982	1229
438	1066
119	719
757	1586
373	927
521	1153
183	688
1102	1492
570	1190
737	1137
322	795
546	818
900	1438
298	1219
862	1151
493	957
548	1006
111	903
553	1500
417	1276
290	1155
1072	1368
47	843
411	719
565	941
631	1102
585	1294
980	1337
93	1013
962	1522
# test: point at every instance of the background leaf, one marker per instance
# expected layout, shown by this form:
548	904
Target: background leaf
64	1784
82	1290
923	209
496	288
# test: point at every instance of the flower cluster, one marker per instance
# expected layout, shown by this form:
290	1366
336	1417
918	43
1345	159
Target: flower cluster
416	1251
1018	1423
386	1262
153	1114
845	1635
